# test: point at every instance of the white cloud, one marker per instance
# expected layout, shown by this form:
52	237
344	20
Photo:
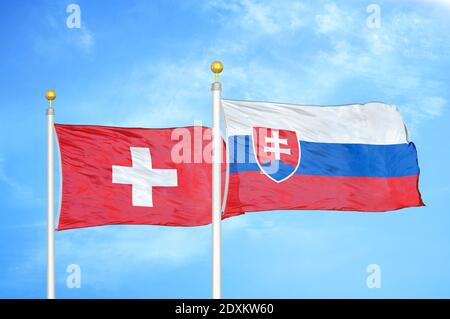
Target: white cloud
164	93
434	106
261	17
59	38
424	108
332	20
84	39
383	58
19	192
139	245
109	253
443	3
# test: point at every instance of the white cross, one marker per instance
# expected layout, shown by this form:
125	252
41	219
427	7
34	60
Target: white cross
143	177
276	141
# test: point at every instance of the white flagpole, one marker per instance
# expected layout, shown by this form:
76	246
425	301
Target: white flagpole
216	88
50	95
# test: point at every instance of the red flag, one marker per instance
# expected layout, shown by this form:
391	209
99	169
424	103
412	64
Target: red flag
113	175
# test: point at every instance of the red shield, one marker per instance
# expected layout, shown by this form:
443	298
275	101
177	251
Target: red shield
277	152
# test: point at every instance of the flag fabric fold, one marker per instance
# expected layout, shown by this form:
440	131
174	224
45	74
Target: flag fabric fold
113	175
352	157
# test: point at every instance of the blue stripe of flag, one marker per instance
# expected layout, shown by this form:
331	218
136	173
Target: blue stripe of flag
331	159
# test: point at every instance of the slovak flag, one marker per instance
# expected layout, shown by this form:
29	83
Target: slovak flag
113	175
352	157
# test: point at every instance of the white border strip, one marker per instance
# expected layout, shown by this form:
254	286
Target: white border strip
370	123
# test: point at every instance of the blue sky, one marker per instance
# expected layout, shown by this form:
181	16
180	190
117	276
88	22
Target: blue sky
146	63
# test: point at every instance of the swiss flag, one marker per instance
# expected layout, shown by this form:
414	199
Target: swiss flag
113	175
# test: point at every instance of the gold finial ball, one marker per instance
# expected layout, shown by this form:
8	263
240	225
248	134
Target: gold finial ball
216	67
50	95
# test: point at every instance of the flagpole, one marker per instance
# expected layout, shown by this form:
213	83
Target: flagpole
50	95
216	88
